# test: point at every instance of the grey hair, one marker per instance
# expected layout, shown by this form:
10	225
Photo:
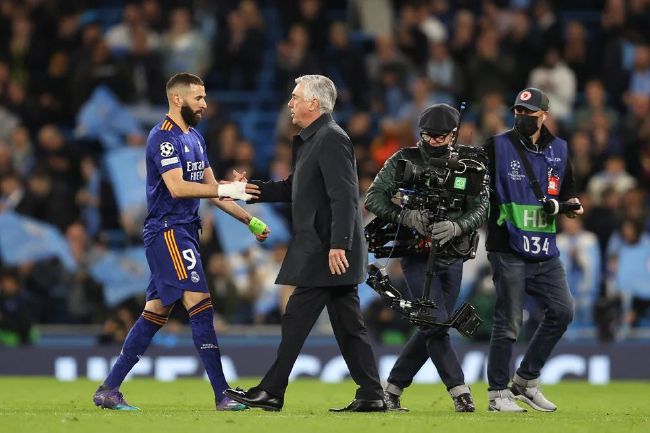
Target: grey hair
319	87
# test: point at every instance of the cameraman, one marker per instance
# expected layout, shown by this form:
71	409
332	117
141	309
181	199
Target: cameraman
438	125
531	180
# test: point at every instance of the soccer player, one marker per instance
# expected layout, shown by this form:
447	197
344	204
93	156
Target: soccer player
178	176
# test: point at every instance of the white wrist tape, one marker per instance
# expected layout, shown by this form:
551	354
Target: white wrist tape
235	190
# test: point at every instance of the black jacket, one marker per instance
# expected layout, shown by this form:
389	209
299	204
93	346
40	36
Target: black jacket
324	194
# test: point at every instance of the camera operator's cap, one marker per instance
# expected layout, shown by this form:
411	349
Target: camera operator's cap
531	98
439	119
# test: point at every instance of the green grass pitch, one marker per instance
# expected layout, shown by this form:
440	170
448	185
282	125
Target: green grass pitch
186	406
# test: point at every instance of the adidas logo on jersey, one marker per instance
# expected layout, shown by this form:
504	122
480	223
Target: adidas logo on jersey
187	149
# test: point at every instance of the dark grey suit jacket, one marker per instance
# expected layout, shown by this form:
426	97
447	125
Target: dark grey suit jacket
324	194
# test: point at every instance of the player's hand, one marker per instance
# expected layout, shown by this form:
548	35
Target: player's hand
265	234
574	213
338	262
251	189
239	177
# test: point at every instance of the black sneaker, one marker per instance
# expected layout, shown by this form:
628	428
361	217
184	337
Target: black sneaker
464	403
393	403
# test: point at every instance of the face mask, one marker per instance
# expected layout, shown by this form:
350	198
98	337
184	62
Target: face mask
526	125
189	116
438	151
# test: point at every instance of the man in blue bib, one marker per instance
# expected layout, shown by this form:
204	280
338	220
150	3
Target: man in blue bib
532	182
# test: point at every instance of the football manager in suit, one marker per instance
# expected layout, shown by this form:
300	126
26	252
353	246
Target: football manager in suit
327	256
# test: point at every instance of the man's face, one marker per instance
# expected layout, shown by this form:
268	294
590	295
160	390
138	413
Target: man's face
193	104
437	140
301	110
539	115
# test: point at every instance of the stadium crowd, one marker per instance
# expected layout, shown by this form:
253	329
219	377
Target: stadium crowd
80	83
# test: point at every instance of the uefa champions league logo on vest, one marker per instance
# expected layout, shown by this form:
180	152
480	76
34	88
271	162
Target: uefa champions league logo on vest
514	173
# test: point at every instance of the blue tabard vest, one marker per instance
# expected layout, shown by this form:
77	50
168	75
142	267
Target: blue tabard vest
531	231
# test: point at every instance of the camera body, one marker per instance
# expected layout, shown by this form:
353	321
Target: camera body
439	189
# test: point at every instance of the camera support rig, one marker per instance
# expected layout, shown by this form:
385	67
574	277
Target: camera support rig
418	311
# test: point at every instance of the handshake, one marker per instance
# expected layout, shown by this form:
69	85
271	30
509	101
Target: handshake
235	190
441	231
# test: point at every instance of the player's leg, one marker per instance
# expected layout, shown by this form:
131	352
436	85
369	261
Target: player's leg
183	241
153	317
199	309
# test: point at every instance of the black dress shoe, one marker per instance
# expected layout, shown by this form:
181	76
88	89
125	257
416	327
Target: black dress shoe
255	397
363	406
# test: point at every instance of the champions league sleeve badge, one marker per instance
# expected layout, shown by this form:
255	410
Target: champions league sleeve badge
166	149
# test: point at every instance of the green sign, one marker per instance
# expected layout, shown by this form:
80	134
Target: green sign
529	218
460	182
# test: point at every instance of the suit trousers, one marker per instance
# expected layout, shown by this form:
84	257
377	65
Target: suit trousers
303	309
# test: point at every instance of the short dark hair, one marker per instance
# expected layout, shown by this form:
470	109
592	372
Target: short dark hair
185	79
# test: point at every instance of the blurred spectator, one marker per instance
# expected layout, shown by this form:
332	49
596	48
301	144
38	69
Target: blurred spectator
630	267
16	315
640	76
85	302
389	91
222	153
580	254
100	68
310	15
409	37
373	17
613	175
547	23
595	102
490	69
558	81
121	37
577	53
603	218
26	55
183	47
461	44
295	58
386	56
582	159
524	44
145	69
636	129
12	190
22	150
116	326
393	136
346	68
444	74
421	98
239	48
